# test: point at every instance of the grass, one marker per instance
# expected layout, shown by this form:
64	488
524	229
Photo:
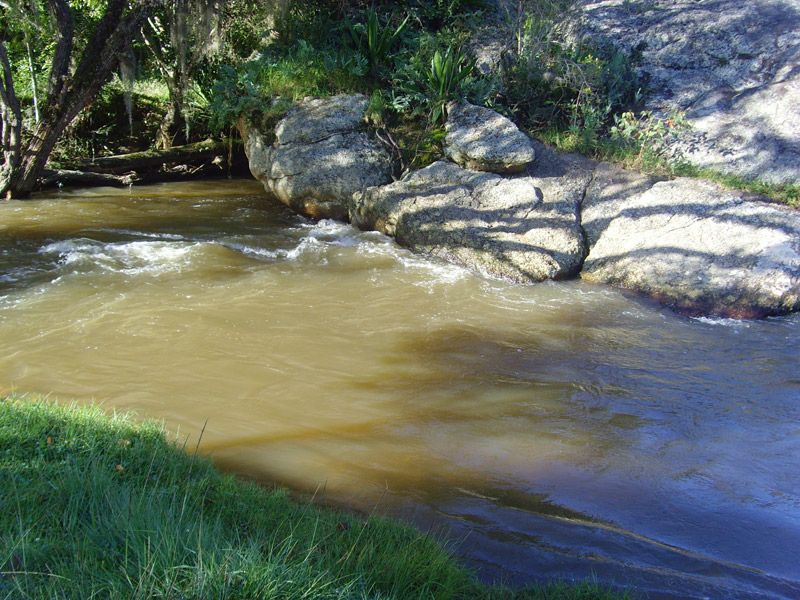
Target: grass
99	506
787	193
634	158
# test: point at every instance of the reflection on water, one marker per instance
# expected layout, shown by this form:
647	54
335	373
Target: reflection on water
559	430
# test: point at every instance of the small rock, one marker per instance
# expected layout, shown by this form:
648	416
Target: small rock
481	139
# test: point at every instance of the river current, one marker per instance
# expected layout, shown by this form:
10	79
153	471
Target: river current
554	431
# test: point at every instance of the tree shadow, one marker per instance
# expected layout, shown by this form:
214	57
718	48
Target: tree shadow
442	458
522	228
538	229
731	66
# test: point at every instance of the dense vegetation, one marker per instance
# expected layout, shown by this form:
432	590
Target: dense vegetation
179	71
93	506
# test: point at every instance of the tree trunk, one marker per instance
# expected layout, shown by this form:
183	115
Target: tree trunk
10	123
69	94
34	84
171	132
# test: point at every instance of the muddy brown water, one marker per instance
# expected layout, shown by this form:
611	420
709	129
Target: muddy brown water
553	431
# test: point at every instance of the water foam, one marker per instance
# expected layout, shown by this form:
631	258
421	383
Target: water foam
722	322
130	258
334	233
138	234
252	251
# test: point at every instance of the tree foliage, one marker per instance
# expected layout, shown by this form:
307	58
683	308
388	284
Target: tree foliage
78	69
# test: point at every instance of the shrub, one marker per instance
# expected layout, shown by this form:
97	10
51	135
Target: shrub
448	72
573	88
374	40
279	76
433	71
650	137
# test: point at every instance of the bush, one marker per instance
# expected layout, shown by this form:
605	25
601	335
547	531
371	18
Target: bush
649	138
413	72
574	89
431	71
278	76
374	40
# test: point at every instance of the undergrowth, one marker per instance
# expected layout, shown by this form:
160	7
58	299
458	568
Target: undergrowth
408	57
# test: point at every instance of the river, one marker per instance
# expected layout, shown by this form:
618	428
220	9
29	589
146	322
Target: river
560	430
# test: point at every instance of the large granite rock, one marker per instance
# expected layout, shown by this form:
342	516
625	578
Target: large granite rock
688	243
692	245
481	139
524	228
321	156
732	66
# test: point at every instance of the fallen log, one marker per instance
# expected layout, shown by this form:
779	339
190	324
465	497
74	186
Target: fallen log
192	161
59	177
191	155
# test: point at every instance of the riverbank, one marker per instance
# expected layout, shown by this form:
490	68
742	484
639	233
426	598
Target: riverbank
98	505
506	206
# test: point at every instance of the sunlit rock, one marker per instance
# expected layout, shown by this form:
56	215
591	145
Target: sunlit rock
481	139
732	66
321	156
692	245
519	228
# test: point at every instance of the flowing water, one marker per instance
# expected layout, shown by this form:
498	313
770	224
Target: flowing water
552	431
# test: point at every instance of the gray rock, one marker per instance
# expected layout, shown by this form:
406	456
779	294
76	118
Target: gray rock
315	119
320	157
732	66
481	139
692	245
491	38
524	228
688	243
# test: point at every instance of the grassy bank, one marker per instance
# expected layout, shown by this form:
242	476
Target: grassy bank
99	506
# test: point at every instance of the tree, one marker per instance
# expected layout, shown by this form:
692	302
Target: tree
70	88
25	15
179	38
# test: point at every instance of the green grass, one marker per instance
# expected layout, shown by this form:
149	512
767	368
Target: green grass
632	158
787	193
99	506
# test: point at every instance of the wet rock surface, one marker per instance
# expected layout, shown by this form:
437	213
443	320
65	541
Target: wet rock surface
733	67
322	154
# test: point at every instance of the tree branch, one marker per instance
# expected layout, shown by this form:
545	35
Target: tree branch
112	34
153	45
